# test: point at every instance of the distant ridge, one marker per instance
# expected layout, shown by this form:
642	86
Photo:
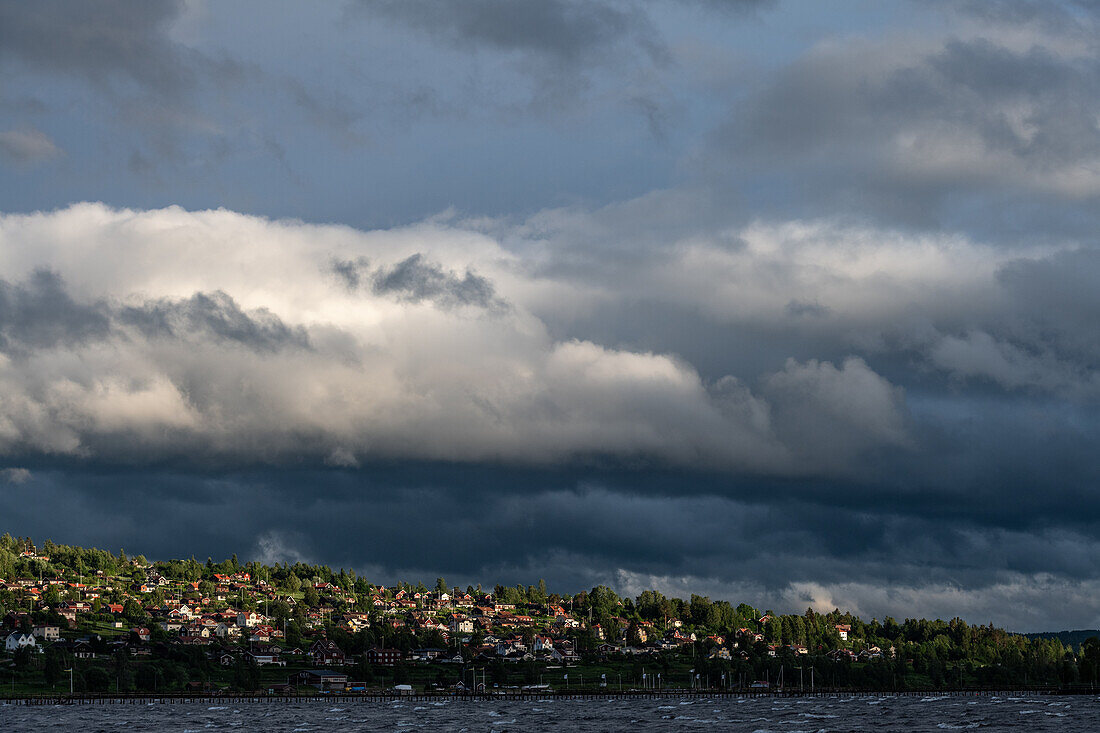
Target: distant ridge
1069	638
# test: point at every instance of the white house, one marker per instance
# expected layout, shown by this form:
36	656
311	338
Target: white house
250	619
18	640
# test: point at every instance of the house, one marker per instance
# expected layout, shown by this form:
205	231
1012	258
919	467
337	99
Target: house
142	633
249	619
385	657
261	659
427	654
17	640
460	624
47	633
81	649
323	679
542	644
188	640
325	652
842	630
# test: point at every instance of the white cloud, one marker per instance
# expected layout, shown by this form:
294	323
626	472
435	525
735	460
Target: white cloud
221	335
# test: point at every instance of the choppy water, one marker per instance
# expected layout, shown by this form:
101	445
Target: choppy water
789	715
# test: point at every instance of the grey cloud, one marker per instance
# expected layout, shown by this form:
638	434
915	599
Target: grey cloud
832	414
798	309
736	7
328	109
214	314
965	135
1044	338
41	313
15	475
351	272
563	29
1057	16
1056	300
560	46
27	146
414	279
105	42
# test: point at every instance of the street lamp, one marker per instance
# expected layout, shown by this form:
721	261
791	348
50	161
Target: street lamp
70	671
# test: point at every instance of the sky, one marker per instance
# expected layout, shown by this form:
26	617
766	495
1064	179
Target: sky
789	303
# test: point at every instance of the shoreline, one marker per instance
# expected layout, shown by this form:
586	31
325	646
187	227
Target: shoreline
184	698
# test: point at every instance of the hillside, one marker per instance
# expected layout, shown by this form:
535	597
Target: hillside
127	623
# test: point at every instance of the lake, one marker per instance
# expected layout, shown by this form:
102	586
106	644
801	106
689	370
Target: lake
931	713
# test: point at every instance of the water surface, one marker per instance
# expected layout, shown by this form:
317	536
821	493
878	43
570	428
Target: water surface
932	713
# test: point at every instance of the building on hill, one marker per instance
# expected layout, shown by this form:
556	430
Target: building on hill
47	632
325	652
323	679
17	640
385	657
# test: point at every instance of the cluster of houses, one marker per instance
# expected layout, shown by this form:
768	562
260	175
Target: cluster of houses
228	615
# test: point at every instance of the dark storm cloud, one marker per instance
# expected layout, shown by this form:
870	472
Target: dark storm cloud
573	534
415	279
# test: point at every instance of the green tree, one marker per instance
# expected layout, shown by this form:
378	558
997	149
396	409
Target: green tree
55	665
97	680
133	611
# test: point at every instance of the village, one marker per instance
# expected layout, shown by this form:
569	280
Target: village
341	634
88	620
